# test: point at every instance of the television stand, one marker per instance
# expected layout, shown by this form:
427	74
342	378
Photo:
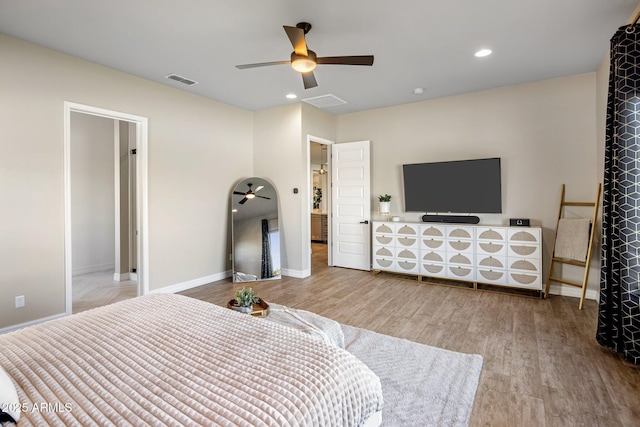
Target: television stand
452	219
486	254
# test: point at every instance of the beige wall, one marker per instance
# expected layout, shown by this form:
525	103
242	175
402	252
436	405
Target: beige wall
316	124
193	164
277	156
281	154
544	132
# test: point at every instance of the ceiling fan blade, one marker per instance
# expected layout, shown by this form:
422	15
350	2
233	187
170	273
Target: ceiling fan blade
262	64
260	187
296	36
243	201
309	80
346	60
263	197
239	193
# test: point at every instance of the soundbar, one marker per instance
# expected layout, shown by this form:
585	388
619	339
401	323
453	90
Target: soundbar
454	219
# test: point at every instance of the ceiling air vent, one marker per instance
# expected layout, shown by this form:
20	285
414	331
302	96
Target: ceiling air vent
325	101
181	79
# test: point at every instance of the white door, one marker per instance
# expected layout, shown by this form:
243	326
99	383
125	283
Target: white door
351	205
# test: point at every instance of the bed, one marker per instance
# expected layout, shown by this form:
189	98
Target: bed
173	360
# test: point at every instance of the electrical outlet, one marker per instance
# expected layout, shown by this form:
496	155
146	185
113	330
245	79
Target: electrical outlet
20	301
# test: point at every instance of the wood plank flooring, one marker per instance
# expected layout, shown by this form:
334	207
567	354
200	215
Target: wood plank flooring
542	365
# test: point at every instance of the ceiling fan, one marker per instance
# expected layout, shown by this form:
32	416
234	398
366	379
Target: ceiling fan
250	194
304	60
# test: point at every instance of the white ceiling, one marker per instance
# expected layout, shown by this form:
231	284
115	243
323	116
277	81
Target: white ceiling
416	43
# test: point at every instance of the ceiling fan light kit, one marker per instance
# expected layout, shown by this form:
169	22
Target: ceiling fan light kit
303	64
250	194
304	60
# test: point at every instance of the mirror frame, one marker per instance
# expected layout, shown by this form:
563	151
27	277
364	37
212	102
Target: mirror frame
255	226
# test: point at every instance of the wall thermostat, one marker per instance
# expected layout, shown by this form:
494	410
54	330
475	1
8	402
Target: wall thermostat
295	190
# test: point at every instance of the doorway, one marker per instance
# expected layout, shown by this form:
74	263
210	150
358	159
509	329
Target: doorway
105	206
319	203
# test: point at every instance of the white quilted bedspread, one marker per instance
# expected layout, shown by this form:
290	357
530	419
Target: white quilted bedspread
173	360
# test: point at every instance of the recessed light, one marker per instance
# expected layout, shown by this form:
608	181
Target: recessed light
483	52
418	90
292	96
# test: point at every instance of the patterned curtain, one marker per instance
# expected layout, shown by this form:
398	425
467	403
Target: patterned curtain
267	265
619	313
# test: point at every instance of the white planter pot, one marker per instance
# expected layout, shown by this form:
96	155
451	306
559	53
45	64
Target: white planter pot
385	207
243	309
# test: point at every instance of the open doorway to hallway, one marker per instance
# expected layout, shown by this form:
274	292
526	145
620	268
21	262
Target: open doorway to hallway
103	215
103	205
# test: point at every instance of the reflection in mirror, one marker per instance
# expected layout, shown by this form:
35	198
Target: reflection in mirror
255	231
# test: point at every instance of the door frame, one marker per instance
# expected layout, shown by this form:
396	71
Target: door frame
142	132
307	205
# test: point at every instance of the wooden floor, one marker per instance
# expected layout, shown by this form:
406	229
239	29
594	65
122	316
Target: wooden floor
542	365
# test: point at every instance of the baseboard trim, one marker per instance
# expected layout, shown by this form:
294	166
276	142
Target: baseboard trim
31	323
117	277
181	287
93	268
572	291
298	274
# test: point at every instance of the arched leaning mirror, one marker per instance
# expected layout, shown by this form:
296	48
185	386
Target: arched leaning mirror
255	231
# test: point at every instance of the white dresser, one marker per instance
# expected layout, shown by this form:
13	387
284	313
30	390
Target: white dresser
496	255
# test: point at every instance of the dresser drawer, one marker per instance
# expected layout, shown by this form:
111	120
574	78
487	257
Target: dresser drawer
432	243
460	233
433	270
384	228
459	272
407	230
433	231
407	241
384	239
492	262
528	265
383	263
525	235
523	250
460	246
406	254
462	259
485	247
490	276
525	280
492	234
434	257
384	251
406	266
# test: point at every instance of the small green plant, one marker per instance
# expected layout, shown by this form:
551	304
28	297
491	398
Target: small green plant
246	297
317	198
385	198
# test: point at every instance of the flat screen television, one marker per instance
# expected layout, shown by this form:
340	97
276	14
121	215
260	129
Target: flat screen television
465	186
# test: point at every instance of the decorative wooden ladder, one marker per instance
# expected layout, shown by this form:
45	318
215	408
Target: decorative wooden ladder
585	265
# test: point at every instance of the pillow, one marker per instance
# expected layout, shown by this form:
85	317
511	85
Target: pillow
9	403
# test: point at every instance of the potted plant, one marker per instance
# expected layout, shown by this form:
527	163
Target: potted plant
245	298
385	203
317	198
